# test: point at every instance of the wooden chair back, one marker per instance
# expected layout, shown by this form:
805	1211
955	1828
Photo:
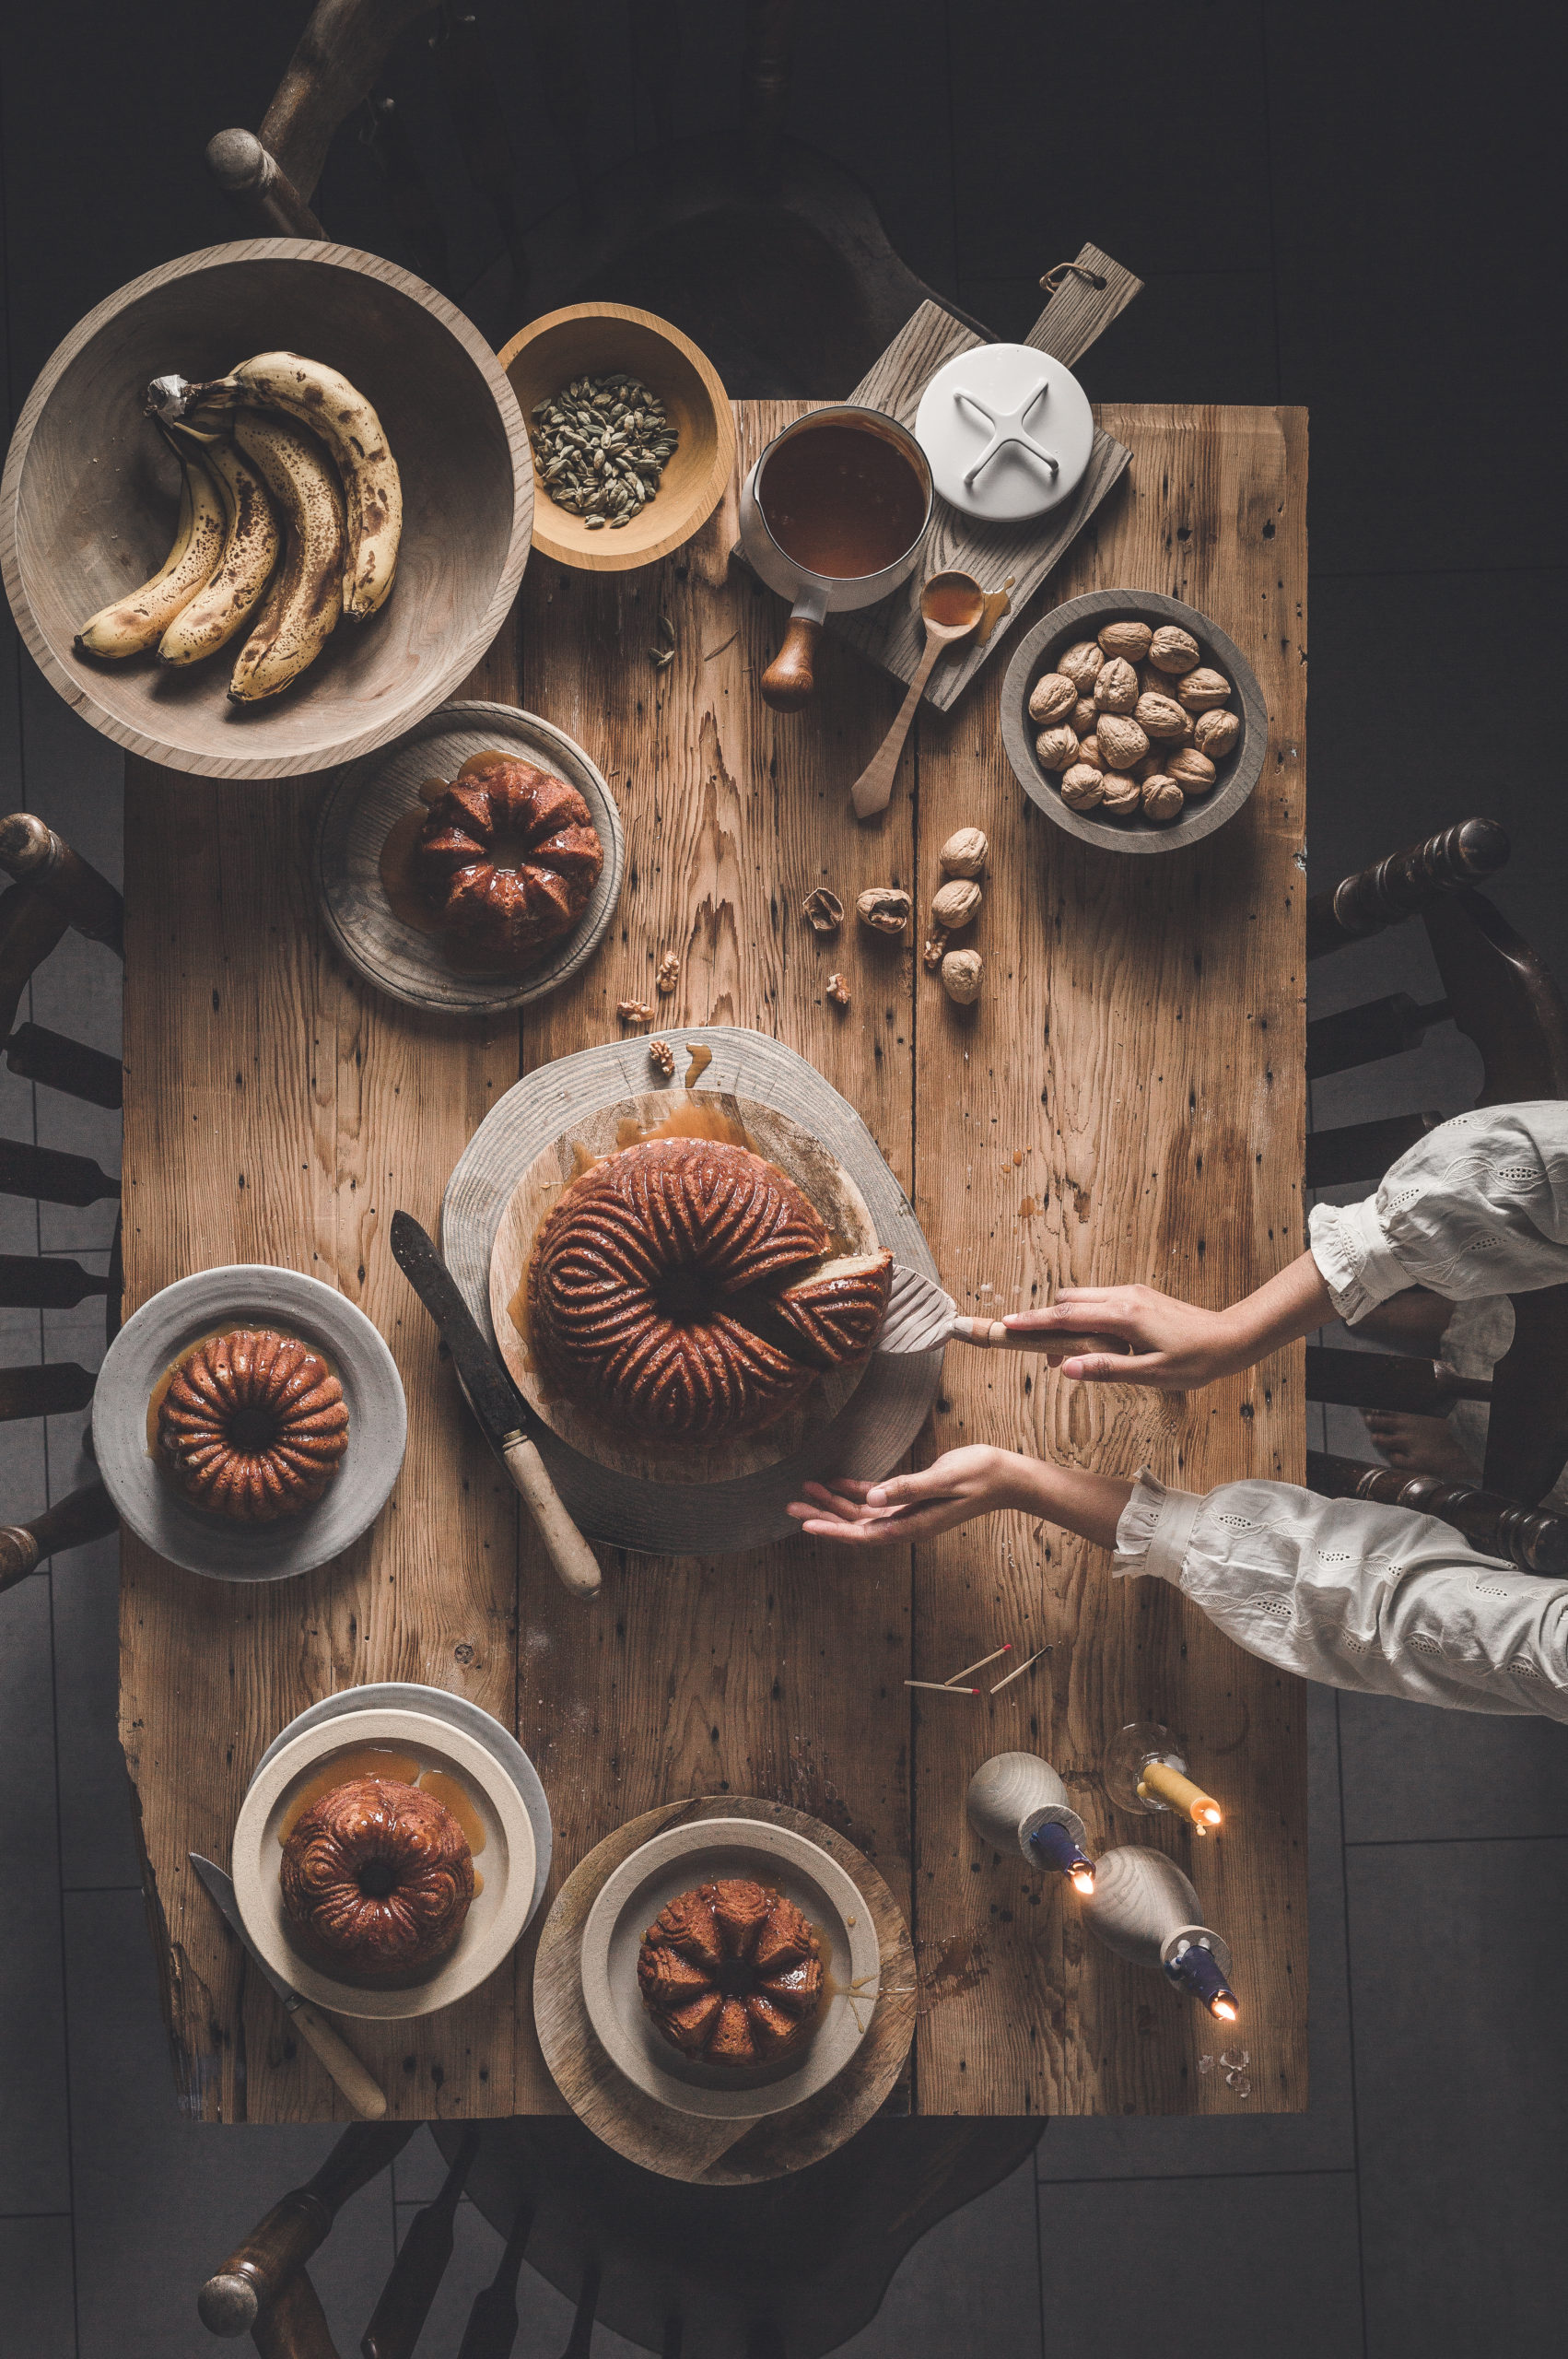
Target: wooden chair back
786	2270
1501	995
54	891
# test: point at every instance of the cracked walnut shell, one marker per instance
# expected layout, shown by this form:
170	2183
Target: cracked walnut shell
886	908
823	911
1052	697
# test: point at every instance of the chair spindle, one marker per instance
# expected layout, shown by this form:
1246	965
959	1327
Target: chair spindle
1363	1150
294	2325
492	2322
1358	1036
421	2263
39	1054
1530	1537
45	1282
35	856
256	2272
1388	1380
84	1514
47	1172
50	1391
1404	884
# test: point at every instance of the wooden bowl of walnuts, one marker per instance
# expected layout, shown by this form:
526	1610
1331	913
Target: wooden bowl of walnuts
1134	721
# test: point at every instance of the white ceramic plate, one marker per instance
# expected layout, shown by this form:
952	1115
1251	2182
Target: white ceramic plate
409	1695
507	1862
370	797
653	1877
249	1295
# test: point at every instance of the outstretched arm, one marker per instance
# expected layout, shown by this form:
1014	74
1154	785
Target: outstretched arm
1176	1347
961	1483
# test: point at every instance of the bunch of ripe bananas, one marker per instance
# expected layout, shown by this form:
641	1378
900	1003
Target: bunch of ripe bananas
290	513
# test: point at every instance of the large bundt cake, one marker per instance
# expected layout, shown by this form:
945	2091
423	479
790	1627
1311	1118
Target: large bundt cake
731	1973
508	859
376	1877
253	1424
653	1286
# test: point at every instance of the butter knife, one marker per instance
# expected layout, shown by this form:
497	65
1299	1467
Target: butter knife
921	1318
357	2086
495	1400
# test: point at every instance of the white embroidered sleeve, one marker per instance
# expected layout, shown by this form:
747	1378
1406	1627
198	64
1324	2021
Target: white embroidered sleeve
1356	1594
1480	1207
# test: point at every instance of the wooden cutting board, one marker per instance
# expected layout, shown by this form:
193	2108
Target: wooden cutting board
892	633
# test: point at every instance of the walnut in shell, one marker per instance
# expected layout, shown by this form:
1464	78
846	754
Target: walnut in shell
966	852
1201	691
1081	665
961	971
1082	787
1116	690
1163	799
1161	716
1130	641
1057	747
1122	795
1084	714
1122	742
886	908
838	991
663	1056
1215	733
956	904
1172	649
1089	751
1052	698
1192	771
823	911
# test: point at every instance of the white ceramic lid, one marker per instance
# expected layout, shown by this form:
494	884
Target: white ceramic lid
1008	432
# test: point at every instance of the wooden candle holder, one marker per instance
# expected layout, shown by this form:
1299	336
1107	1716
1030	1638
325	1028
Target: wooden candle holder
1014	1798
1145	1909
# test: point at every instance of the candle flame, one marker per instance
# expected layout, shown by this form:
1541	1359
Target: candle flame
1083	1881
1226	2009
1208	1814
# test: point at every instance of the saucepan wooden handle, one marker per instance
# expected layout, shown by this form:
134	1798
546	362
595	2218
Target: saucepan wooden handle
568	1551
787	683
358	2085
993	1336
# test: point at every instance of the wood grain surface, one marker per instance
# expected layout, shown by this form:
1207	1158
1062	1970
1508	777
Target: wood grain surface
893	633
1138	1045
691	2146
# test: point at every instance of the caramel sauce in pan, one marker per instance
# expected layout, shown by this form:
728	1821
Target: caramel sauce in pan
160	1392
841	501
402	1769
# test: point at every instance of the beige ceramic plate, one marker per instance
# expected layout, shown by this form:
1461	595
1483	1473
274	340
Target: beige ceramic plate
505	1862
647	1882
801	1157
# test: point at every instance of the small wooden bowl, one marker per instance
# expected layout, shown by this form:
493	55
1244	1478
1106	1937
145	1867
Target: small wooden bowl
1085	617
89	497
590	340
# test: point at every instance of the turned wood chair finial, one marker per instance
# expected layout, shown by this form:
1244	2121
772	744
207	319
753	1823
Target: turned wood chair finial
1404	884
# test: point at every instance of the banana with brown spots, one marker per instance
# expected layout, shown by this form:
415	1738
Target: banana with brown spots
302	610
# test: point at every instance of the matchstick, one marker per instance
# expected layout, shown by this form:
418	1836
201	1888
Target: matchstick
978	1666
1019	1673
941	1687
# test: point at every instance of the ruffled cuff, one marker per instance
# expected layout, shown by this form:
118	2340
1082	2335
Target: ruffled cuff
1355	1258
1153	1531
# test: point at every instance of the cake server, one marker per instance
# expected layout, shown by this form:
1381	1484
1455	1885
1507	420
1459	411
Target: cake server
921	1318
362	2091
505	1417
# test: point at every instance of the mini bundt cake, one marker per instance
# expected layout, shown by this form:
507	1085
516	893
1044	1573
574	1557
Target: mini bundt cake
631	1281
731	1973
508	859
252	1425
376	1878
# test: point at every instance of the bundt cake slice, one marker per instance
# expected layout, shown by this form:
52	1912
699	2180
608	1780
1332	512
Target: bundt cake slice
831	1315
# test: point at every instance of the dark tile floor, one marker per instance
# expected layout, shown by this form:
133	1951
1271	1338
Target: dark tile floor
1327	209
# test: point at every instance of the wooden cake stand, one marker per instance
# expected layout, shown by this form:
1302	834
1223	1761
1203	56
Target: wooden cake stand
886	1407
708	2152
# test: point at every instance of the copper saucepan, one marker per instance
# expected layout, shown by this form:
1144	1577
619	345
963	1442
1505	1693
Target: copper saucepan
846	488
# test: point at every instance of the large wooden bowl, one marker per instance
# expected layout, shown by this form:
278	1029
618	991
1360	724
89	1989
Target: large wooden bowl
591	340
88	500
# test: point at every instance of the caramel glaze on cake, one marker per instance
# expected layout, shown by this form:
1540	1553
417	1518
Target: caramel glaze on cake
731	1973
508	859
253	1424
376	1878
652	1288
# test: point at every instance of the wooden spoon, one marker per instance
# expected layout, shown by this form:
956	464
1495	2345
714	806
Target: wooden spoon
950	607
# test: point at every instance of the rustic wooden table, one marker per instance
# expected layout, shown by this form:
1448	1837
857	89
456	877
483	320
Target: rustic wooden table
1126	1101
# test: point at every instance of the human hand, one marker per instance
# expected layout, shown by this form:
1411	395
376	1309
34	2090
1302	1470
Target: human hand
961	1484
1175	1346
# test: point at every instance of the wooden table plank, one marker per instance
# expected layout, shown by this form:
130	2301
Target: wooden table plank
1126	1101
278	1110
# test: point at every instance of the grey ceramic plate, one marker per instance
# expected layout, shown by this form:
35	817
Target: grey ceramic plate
1083	618
672	1863
373	794
409	1695
249	1295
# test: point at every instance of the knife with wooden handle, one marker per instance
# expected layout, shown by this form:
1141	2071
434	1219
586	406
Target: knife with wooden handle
495	1400
360	2087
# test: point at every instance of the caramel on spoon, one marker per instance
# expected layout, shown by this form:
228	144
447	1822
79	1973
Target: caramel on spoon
950	607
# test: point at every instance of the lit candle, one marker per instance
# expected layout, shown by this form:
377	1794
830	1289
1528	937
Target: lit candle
1146	1910
1055	1846
1160	1781
1017	1803
1193	1965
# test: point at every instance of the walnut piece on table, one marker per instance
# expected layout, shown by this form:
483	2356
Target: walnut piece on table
634	1011
663	1056
839	989
668	974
